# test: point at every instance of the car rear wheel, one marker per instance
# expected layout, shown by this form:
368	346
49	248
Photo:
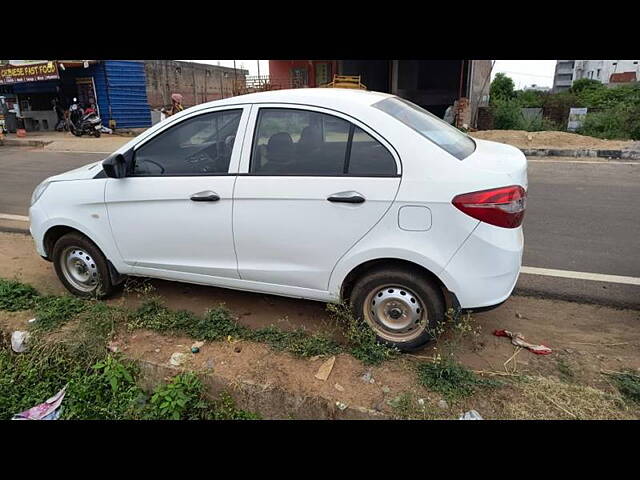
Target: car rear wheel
81	266
402	306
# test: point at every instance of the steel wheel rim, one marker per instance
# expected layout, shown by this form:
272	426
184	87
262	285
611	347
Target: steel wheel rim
79	269
395	313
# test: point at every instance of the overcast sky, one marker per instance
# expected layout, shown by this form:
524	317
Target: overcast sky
527	72
523	72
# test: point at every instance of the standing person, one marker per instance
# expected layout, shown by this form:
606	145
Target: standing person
60	105
176	103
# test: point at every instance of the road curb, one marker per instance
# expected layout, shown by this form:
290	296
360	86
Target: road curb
271	401
582	152
13	142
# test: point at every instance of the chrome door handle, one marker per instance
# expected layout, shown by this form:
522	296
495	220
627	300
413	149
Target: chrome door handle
206	196
346	197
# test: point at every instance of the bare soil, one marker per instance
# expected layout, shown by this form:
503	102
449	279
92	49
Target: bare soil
585	339
551	139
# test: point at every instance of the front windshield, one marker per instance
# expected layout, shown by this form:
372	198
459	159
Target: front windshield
429	126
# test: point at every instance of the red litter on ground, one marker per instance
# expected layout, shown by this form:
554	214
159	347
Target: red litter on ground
518	340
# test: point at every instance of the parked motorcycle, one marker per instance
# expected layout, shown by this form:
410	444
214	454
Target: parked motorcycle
81	122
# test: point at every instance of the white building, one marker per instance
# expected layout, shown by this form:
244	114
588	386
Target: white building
568	71
538	88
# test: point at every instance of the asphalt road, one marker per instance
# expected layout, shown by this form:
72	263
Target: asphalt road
582	217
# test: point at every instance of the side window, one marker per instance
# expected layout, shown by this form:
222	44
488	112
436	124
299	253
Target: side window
369	157
201	145
299	142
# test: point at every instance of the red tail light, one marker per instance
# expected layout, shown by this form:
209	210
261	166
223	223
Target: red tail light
503	207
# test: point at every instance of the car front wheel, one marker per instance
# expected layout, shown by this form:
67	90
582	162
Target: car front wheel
81	266
402	306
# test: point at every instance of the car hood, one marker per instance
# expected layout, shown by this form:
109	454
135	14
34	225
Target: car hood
82	173
499	158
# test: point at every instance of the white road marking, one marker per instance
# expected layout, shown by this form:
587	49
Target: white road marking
17	218
597	277
603	162
75	151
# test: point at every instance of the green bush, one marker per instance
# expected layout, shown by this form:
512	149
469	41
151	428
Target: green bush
298	342
628	384
16	296
502	88
620	122
450	378
531	98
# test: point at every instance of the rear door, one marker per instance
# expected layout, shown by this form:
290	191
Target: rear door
313	182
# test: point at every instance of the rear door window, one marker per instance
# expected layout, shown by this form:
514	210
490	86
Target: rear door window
303	142
369	157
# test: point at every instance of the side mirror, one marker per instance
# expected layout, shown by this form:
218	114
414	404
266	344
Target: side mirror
118	165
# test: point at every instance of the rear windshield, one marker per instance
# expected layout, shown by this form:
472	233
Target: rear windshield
429	126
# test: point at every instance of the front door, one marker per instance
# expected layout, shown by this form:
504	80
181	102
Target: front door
172	216
315	184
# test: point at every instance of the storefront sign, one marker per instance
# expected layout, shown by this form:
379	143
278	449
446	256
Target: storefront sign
10	74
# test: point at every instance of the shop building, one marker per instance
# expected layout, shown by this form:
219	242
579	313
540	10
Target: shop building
116	88
433	84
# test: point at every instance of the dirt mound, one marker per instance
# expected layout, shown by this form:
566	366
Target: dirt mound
551	139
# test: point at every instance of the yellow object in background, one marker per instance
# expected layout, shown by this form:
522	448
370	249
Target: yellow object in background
346	81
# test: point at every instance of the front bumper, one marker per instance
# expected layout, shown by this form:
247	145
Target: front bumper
37	218
485	270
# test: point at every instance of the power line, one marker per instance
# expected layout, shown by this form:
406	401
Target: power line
527	74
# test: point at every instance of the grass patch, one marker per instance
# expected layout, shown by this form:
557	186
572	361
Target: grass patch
218	324
297	342
15	296
406	407
103	390
628	384
547	398
362	340
566	372
183	399
98	321
451	379
53	311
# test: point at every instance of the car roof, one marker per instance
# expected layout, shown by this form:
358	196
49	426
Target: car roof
308	96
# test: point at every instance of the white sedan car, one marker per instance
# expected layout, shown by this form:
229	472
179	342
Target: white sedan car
324	194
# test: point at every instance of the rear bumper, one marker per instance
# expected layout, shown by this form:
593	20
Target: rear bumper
485	270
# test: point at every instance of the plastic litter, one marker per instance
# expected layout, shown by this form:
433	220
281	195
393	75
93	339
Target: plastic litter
517	339
19	341
367	377
177	359
471	415
49	410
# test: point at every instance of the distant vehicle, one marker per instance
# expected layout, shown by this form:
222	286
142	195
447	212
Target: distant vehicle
324	194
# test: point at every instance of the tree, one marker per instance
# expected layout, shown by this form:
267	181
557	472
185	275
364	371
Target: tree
585	83
502	88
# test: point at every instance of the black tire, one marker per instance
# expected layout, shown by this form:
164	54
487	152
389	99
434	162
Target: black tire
96	133
96	263
414	285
